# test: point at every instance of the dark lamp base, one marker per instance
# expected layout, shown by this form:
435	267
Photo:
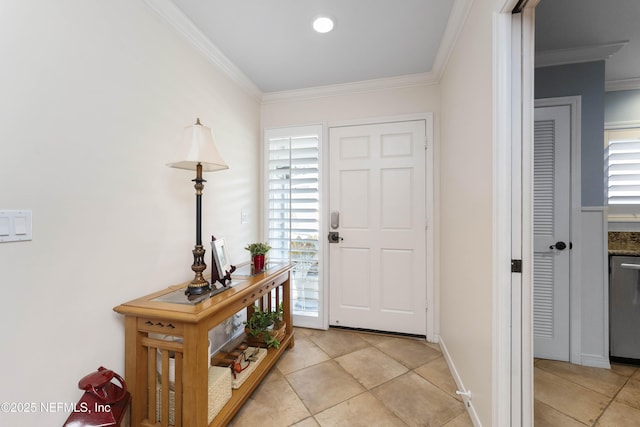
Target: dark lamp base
197	290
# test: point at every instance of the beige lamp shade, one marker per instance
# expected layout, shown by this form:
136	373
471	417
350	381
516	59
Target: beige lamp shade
198	146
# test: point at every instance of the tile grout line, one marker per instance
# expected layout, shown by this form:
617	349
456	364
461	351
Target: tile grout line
628	378
365	389
412	370
581	385
372	345
612	399
312	415
577	385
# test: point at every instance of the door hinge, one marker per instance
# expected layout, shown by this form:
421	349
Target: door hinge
516	266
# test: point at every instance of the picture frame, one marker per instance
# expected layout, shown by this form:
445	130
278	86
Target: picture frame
221	256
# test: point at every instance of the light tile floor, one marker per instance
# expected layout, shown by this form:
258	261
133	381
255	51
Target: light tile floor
573	395
345	378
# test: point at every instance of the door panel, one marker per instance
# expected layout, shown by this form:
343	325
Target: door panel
354	199
551	225
396	207
396	281
357	275
377	184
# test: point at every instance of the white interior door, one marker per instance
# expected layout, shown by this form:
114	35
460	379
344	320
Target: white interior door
551	225
377	273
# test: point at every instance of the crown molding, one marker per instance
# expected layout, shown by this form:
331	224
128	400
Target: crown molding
373	85
457	17
626	84
628	124
183	25
577	55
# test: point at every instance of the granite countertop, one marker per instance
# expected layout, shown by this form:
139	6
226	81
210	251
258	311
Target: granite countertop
624	243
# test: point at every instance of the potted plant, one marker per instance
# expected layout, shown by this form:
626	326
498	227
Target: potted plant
265	327
258	252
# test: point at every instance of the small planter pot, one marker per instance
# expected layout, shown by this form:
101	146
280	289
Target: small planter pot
278	332
258	263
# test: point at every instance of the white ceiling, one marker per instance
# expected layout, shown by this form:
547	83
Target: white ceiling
272	45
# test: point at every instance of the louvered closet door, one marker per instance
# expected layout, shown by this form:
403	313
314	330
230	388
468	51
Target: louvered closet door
551	225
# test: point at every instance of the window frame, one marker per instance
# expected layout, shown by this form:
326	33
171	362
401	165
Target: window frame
269	134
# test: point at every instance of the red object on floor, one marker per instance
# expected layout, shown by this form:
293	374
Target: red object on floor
103	404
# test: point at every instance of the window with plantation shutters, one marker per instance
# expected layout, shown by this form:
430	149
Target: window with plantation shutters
292	178
623	169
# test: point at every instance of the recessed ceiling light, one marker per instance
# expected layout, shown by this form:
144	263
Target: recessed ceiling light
323	24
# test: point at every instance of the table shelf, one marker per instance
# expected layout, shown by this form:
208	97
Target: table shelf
158	314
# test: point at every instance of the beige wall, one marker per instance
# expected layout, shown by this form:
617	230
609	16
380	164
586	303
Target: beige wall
466	204
94	98
353	106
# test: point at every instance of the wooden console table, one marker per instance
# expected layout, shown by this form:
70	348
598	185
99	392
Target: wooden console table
169	312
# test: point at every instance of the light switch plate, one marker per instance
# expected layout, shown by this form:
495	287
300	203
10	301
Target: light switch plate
15	226
20	225
5	226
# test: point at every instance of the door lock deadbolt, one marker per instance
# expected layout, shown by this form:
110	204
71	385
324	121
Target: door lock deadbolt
334	237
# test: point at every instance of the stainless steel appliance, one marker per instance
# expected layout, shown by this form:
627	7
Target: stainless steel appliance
624	308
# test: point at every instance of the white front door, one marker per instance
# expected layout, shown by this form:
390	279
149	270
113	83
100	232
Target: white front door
551	226
377	273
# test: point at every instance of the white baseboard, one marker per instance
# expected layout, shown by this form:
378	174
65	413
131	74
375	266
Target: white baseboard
595	361
468	402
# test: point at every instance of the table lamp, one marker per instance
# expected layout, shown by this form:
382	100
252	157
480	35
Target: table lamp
198	152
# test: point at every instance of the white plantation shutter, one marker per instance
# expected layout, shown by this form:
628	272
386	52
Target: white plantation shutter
623	166
293	210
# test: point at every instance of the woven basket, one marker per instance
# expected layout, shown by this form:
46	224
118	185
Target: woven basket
279	331
219	393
